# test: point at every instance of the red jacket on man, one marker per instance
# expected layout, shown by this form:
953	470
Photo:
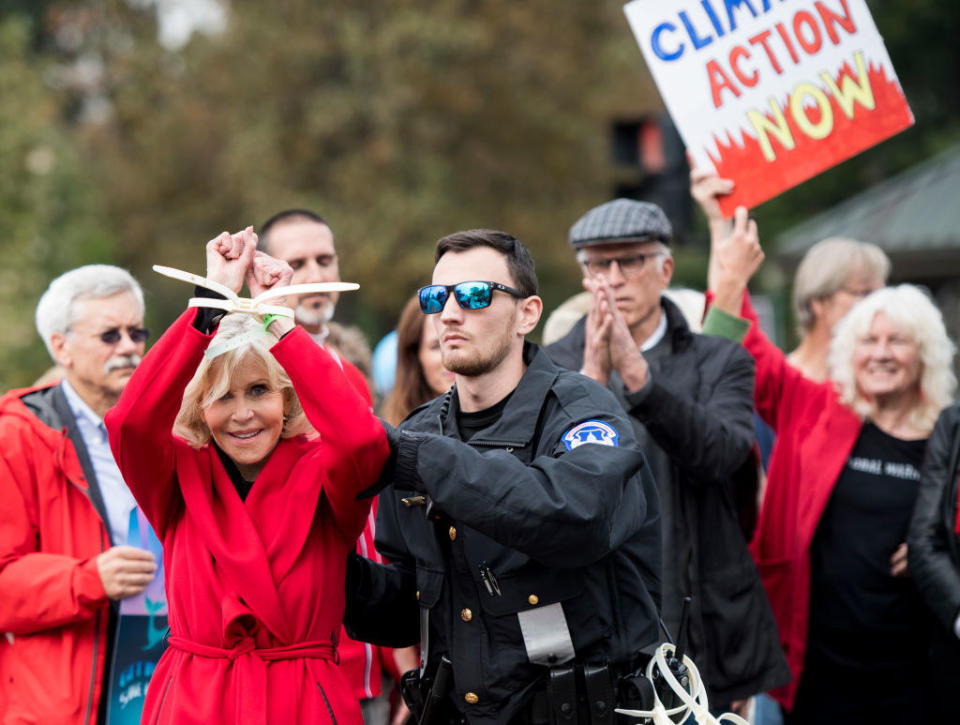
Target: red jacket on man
53	609
815	436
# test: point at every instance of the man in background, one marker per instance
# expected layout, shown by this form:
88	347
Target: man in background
65	511
302	239
690	400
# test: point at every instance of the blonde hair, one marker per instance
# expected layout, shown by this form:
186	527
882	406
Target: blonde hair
213	377
907	307
825	269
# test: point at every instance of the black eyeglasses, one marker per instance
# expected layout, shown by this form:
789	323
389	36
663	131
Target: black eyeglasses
630	264
113	335
469	295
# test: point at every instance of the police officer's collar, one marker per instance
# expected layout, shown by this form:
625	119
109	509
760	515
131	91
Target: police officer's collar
517	426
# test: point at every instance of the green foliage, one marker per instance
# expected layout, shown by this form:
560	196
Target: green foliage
47	207
398	126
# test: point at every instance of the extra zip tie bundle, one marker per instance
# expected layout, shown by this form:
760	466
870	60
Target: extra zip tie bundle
693	702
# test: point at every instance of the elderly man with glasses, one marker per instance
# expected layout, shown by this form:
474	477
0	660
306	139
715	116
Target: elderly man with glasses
66	515
690	400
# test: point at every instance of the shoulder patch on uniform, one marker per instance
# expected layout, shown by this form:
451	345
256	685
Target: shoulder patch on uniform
591	431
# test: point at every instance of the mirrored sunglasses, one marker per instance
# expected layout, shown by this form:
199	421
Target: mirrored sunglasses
469	295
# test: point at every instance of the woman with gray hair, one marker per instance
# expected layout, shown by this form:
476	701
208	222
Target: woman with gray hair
832	277
843	479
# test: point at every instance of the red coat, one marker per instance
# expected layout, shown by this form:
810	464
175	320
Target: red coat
53	609
255	588
815	436
363	663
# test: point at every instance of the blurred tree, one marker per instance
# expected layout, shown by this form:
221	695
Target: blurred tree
399	122
399	125
48	213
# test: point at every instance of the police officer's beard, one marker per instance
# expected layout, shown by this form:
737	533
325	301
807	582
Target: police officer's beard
479	365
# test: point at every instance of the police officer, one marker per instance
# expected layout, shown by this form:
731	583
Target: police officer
522	524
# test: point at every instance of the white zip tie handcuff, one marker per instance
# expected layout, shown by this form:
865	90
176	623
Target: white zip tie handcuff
252	306
693	702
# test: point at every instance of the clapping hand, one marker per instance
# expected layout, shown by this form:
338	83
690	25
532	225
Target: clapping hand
596	351
622	350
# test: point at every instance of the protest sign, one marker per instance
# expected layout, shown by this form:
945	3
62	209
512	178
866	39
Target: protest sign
770	92
140	634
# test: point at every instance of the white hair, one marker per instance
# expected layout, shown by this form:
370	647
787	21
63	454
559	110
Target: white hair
56	309
907	307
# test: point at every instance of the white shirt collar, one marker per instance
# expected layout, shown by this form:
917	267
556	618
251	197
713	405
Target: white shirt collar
78	406
321	337
658	334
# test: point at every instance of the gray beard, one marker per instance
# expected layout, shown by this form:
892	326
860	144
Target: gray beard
314	317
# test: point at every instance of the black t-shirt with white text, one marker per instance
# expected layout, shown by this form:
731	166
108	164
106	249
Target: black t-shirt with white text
861	615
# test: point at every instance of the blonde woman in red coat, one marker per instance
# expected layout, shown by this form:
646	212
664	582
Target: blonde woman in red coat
256	511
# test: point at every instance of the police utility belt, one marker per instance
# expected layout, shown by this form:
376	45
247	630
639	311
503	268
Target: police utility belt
546	637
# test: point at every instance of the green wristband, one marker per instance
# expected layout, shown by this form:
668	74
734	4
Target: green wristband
269	320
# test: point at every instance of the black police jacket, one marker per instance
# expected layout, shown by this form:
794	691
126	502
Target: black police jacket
698	409
933	546
552	503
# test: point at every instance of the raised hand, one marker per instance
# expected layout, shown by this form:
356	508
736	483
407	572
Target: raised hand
267	272
229	256
596	351
734	259
705	188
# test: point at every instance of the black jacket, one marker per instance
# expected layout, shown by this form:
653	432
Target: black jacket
578	526
697	409
933	546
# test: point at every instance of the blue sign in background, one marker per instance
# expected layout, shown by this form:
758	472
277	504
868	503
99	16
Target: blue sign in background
140	634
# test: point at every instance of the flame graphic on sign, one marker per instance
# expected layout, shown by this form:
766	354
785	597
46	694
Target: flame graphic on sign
758	179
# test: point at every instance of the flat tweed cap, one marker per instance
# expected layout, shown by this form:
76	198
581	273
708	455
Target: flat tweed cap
621	220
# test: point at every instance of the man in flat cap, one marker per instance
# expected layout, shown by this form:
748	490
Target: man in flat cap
690	399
